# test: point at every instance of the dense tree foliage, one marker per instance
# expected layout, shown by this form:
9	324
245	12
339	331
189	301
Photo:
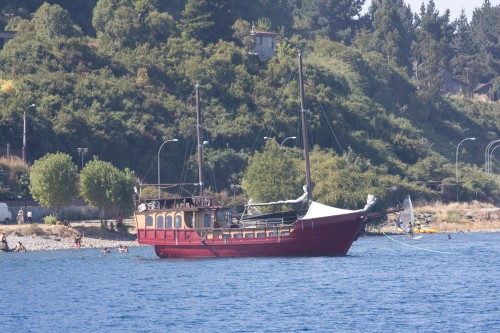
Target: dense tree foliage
104	186
53	180
117	77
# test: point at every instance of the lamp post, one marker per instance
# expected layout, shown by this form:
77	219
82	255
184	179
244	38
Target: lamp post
82	151
456	161
234	187
487	155
24	132
172	140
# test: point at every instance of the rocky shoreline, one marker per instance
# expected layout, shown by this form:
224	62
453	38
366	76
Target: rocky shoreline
39	243
39	237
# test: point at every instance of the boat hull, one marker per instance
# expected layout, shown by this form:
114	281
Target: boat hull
326	236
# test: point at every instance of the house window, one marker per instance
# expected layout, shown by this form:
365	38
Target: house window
149	221
159	221
258	40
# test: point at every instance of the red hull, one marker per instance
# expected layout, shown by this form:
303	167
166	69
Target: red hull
326	236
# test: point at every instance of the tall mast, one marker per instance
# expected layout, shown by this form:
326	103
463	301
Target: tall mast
200	144
304	132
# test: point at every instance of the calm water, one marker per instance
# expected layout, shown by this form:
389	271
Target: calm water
382	286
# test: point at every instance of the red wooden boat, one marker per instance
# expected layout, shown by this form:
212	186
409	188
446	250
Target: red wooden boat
196	227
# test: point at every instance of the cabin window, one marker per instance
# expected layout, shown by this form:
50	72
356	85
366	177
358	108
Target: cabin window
189	221
261	234
237	236
206	220
149	221
159	221
249	235
168	222
226	235
285	233
178	221
273	234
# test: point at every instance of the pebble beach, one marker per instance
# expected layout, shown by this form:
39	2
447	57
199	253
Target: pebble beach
40	237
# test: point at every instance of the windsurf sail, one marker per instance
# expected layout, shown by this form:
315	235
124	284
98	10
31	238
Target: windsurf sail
405	220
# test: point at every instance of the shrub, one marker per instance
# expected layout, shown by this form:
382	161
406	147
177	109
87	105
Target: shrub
50	219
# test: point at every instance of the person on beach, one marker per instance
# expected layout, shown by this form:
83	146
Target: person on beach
66	223
111	227
29	215
19	247
20	217
3	243
119	223
78	240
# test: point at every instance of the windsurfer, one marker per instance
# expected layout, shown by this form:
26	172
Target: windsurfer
410	231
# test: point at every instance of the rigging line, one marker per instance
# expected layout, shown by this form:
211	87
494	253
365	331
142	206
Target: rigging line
185	166
280	105
279	110
148	169
416	247
330	125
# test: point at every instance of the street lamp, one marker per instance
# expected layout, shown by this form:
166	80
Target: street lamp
24	131
456	161
172	140
290	137
491	155
282	142
82	151
487	155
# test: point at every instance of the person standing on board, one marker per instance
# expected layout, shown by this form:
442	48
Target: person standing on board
410	231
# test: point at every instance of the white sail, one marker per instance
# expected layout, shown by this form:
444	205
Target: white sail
405	220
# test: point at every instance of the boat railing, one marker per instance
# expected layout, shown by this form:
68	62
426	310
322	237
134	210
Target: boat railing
262	231
266	223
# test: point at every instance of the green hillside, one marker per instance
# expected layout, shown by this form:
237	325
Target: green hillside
118	77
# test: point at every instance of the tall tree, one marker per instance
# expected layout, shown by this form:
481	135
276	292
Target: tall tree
464	51
207	20
485	30
431	50
333	19
53	180
393	30
272	176
104	186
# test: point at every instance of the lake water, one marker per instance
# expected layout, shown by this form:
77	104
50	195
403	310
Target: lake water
433	284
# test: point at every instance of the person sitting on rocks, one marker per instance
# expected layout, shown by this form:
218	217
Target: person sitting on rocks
3	243
78	240
19	247
66	223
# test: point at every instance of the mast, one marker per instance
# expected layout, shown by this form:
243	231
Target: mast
200	144
304	132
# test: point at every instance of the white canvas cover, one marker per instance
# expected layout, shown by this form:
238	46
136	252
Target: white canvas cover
317	210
